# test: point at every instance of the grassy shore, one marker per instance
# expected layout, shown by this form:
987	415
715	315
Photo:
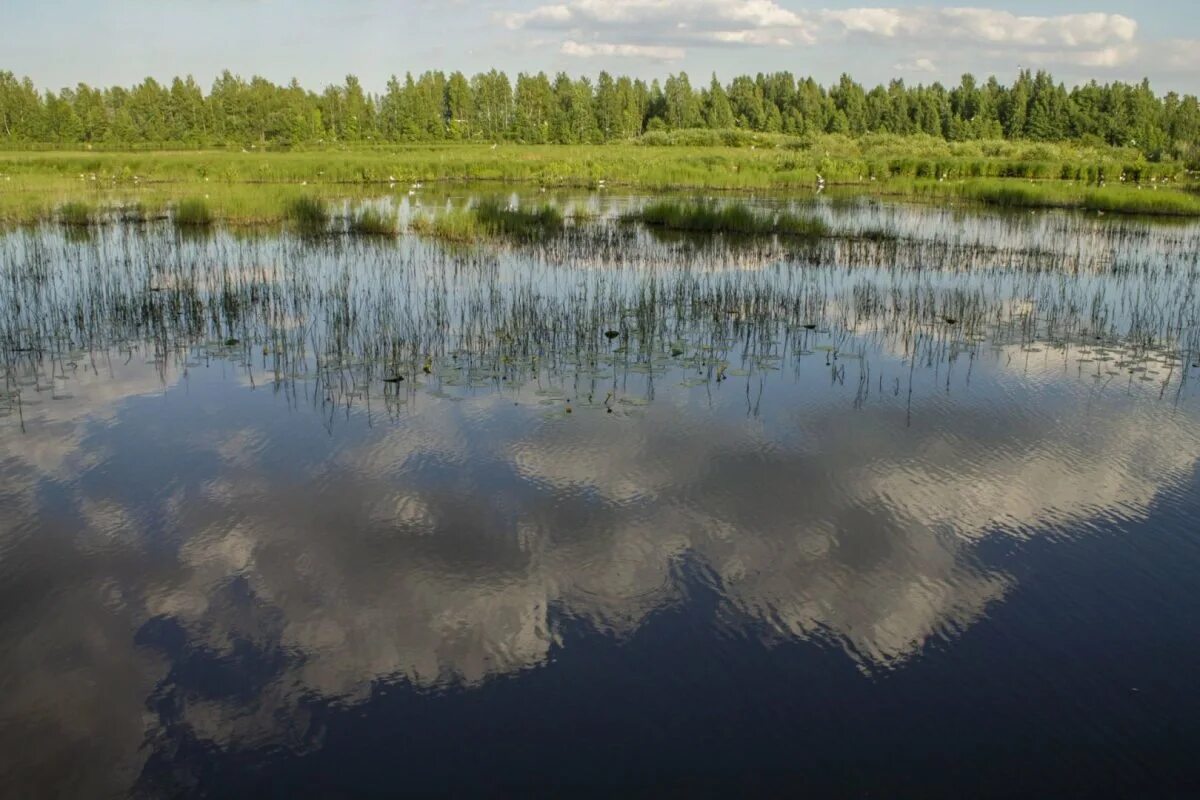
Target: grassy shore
262	187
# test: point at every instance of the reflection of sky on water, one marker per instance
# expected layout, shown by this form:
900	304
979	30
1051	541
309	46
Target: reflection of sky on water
207	528
182	552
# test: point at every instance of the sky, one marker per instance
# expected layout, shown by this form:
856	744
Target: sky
60	43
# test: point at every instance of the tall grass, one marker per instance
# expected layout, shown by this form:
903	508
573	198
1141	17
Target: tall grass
372	221
193	212
308	213
680	159
454	225
1116	199
263	188
491	220
519	223
731	218
76	212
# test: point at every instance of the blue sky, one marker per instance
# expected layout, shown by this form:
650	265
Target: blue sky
61	42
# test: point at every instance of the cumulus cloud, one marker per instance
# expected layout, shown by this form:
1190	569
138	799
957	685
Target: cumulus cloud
659	30
749	13
984	25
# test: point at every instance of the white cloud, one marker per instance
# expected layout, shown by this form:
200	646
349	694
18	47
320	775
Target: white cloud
884	22
916	65
750	13
750	38
1180	54
547	16
1116	56
663	29
984	25
594	49
1070	30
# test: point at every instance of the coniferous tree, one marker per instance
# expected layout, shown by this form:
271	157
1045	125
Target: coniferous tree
433	107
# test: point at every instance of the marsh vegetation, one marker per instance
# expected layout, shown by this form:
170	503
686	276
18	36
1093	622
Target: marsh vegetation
838	281
409	454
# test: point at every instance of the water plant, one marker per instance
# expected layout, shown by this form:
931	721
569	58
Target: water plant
193	212
728	218
451	225
373	221
307	213
526	224
76	212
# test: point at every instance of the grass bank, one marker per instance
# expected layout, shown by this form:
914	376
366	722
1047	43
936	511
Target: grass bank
261	187
1140	199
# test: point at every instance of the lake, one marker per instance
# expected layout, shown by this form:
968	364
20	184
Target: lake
911	510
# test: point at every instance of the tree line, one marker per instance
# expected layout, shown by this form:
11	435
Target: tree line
536	108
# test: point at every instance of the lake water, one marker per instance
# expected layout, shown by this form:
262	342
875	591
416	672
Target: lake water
908	512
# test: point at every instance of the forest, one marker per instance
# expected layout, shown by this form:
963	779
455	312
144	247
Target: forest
538	109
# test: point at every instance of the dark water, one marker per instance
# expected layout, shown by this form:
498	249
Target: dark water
907	516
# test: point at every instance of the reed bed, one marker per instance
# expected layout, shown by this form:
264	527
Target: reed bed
592	309
727	218
373	221
77	213
194	212
450	225
308	213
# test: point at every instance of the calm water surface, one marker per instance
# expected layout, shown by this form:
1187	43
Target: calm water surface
909	512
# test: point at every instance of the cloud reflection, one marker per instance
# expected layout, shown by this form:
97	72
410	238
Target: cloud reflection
454	544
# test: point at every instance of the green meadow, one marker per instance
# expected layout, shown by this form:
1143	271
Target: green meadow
259	187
